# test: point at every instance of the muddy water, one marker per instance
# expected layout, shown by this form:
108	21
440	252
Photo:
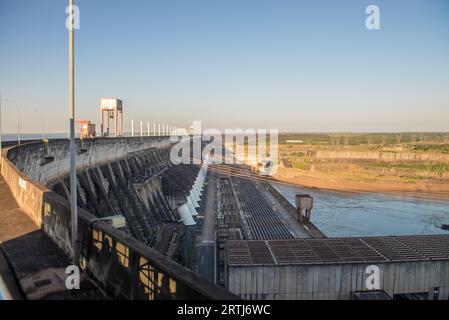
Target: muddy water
344	214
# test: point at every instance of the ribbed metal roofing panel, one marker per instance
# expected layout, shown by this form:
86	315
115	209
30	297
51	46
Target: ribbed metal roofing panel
338	250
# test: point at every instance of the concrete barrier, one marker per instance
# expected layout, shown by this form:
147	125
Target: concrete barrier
29	157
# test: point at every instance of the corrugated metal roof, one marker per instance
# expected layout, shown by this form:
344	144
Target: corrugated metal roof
338	250
371	295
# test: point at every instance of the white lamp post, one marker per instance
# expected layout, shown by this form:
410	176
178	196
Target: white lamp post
73	195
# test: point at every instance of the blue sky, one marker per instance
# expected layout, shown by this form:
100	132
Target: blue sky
293	65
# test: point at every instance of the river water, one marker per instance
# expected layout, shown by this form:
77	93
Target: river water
345	214
34	136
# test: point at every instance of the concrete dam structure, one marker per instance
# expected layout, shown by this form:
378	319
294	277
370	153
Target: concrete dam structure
149	192
115	176
199	230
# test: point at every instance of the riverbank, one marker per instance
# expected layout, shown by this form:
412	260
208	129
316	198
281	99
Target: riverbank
423	189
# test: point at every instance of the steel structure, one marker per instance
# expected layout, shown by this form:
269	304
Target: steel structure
111	109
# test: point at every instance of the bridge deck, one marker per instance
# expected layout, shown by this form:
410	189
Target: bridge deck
32	259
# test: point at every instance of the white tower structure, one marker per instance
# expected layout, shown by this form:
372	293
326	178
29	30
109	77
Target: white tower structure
112	109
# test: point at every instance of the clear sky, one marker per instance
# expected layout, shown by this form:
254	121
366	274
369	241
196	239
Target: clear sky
293	65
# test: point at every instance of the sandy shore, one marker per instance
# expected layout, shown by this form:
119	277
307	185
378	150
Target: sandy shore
421	189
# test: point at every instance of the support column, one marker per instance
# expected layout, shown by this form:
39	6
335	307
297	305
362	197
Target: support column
185	215
121	122
102	121
115	123
107	117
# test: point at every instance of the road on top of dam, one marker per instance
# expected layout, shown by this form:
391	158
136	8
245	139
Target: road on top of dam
31	265
206	264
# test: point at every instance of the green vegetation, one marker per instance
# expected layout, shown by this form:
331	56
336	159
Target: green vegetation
439	167
414	141
302	166
444	148
396	165
302	156
297	154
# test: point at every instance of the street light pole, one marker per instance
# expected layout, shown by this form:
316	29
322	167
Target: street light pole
141	129
18	119
73	193
42	123
18	125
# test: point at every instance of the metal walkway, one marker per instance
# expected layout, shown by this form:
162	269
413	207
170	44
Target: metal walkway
263	221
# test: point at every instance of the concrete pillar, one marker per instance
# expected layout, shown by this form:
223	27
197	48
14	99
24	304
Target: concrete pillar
102	122
115	123
185	215
191	207
193	199
196	192
198	185
201	178
121	123
107	117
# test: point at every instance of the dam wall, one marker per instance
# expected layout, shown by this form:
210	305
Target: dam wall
129	186
43	163
146	189
121	265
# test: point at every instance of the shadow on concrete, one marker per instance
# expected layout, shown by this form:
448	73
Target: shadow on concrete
39	265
